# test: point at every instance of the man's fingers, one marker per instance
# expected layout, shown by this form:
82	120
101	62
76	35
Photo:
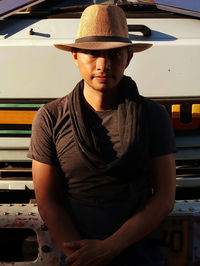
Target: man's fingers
70	260
72	245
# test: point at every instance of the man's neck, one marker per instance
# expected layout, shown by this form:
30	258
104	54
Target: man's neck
100	100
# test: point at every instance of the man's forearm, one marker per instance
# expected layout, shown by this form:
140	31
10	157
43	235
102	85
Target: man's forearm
139	225
48	190
59	223
101	252
157	208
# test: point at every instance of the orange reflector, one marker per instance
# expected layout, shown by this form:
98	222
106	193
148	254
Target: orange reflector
176	108
16	117
196	110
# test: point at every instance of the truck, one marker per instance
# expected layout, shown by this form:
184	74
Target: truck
33	72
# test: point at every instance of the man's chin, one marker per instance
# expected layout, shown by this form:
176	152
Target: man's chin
103	86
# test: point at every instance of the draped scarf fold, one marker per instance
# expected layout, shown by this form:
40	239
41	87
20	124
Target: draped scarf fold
131	125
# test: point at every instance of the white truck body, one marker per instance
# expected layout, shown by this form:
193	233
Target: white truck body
38	70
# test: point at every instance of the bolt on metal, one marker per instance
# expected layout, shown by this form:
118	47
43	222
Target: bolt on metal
191	209
31	32
44	227
46	249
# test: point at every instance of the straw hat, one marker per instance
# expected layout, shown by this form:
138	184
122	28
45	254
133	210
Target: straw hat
103	27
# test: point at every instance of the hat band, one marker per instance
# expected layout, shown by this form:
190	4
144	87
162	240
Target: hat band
103	39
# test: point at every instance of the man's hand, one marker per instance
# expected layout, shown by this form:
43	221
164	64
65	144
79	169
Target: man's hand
89	252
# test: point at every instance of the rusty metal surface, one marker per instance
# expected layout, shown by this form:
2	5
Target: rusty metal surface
188	213
187	207
27	216
191	208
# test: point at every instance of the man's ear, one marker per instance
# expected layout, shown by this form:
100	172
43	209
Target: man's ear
75	57
129	57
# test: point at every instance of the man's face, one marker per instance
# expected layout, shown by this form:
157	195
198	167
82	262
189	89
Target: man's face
102	69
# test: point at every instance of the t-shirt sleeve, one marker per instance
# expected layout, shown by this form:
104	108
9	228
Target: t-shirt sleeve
162	138
42	147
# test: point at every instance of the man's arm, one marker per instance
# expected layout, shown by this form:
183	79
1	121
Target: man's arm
139	225
48	189
158	207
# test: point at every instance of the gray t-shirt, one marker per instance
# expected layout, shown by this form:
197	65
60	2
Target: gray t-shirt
52	142
95	200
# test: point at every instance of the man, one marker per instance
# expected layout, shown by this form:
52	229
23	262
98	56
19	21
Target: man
103	164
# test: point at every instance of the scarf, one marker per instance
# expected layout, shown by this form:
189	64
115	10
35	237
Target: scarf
132	125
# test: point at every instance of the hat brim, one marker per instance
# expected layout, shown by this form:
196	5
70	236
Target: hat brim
136	47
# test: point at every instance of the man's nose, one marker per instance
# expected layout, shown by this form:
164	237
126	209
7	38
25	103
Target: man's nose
103	63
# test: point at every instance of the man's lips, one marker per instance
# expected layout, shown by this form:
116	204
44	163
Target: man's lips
102	78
